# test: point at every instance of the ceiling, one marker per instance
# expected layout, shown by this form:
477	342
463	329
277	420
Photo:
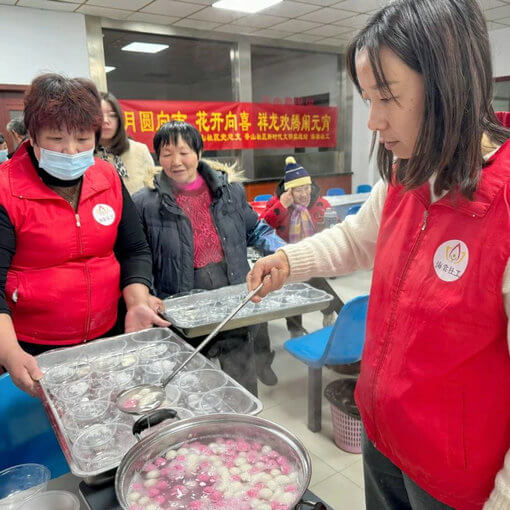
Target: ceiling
326	22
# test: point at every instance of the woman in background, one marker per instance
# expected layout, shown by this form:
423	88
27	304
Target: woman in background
296	211
131	159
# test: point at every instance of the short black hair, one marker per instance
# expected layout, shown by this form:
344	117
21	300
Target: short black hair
170	132
17	126
2	138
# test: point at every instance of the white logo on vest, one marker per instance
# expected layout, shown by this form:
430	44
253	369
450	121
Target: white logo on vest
103	214
451	260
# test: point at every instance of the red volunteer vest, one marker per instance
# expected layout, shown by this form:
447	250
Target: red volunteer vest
63	283
434	389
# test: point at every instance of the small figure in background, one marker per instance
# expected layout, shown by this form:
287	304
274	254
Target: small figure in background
131	159
18	131
3	149
296	211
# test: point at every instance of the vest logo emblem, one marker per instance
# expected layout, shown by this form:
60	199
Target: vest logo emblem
103	214
451	260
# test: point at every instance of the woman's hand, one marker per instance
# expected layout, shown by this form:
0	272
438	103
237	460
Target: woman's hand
274	270
143	316
24	370
142	309
286	199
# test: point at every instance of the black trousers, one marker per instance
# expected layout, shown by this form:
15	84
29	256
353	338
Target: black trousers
388	488
336	304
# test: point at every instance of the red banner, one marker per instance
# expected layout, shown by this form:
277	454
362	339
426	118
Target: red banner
236	125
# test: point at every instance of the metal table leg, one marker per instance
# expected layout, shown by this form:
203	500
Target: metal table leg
314	398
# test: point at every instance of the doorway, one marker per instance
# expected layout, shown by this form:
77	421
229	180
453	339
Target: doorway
11	107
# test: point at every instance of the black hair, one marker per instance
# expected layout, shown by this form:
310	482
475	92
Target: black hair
170	132
447	42
2	138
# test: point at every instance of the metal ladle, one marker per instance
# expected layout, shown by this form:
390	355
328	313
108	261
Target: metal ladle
146	397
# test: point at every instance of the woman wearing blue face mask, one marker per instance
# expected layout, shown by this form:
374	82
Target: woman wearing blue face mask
71	242
3	149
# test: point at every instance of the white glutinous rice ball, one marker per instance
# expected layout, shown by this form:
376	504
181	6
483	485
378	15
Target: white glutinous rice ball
133	496
171	454
266	449
265	493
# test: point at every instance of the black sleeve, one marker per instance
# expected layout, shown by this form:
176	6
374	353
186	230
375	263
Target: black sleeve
251	218
131	248
7	249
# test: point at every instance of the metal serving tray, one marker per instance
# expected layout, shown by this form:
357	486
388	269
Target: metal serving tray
96	372
199	313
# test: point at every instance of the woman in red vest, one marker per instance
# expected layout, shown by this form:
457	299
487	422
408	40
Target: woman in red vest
434	389
71	242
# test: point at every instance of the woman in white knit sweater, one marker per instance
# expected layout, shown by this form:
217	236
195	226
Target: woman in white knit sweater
434	389
131	159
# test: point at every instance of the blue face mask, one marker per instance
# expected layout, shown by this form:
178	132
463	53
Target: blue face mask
66	167
3	155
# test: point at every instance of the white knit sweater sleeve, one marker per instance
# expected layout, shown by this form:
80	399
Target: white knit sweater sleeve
346	247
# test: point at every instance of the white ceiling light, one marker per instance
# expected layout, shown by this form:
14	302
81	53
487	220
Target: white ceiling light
142	47
249	6
109	68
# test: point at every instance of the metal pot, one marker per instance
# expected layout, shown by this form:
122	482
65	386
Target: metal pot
207	428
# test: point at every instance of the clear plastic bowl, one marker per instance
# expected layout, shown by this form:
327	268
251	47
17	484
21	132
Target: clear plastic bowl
226	399
60	374
200	381
72	392
156	371
89	412
153	351
101	447
152	335
18	483
173	395
52	500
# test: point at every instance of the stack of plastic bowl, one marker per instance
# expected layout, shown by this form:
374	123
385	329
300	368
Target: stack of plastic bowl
19	483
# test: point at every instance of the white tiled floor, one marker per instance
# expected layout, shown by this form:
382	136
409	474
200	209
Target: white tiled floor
337	476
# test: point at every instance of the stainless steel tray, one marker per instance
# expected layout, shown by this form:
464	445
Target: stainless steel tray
96	367
199	313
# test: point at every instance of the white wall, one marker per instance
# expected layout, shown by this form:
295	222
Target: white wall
500	43
36	41
364	171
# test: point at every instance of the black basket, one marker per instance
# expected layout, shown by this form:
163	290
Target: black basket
340	393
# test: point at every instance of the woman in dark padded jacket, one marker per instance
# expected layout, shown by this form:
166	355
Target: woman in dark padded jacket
198	225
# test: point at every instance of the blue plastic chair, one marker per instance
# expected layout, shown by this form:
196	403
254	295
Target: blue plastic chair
335	191
364	188
262	198
353	209
26	434
339	344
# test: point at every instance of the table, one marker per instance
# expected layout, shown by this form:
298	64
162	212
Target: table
341	203
352	285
